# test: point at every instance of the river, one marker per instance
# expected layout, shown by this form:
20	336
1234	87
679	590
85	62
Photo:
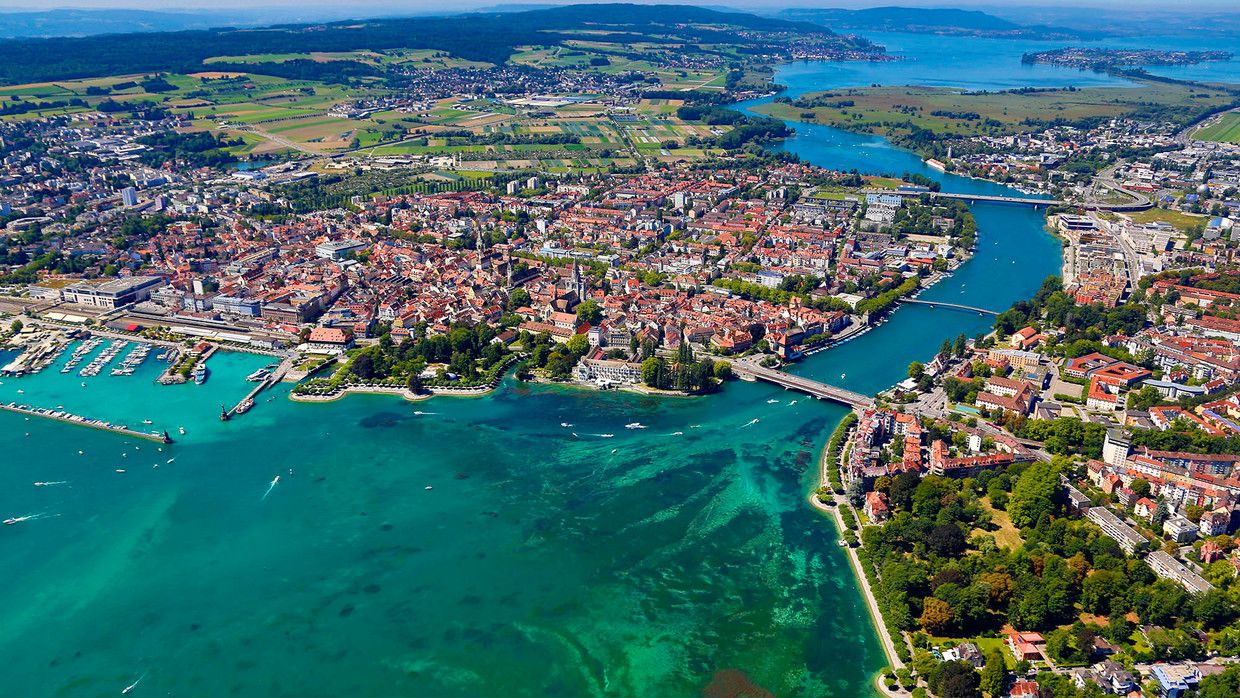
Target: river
479	548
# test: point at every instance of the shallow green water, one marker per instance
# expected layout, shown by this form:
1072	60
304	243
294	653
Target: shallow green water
539	563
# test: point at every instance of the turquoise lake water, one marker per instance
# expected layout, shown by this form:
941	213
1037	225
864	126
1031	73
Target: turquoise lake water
539	564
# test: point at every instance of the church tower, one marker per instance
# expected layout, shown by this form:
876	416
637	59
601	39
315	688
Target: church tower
579	282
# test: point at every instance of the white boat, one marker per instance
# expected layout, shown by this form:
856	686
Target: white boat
259	375
181	429
634	425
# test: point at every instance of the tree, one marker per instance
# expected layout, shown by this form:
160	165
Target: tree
577	345
589	311
1222	685
363	366
1035	495
936	616
559	365
16	326
518	298
946	540
654	372
954	680
916	370
856	492
903	487
723	370
994	673
1103	590
1145	398
961	345
414	383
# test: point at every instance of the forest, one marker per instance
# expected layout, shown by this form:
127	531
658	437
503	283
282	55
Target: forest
943	572
490	37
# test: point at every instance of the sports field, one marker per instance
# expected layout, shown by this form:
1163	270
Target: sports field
1226	129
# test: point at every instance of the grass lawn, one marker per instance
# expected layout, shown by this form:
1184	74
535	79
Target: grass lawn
1006	536
1181	221
985	644
1225	130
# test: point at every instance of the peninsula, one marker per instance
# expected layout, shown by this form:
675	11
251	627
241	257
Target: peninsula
1093	58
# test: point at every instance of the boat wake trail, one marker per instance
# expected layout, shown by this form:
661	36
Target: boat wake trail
271	487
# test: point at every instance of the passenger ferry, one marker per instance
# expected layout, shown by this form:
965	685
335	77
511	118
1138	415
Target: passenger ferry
200	374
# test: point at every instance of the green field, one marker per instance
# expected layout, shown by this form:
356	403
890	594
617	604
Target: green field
1182	221
1225	130
949	112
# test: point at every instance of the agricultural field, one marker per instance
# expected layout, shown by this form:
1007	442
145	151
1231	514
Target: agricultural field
285	116
1224	129
611	58
948	112
417	59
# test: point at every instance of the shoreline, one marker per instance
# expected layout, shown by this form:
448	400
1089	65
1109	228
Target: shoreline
404	393
863	583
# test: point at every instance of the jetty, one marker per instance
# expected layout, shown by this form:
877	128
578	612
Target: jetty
953	306
809	386
70	418
247	402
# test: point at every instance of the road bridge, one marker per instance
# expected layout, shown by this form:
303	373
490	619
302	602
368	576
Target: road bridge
813	388
1139	205
953	306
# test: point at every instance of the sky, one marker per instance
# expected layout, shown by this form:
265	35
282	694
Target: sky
367	6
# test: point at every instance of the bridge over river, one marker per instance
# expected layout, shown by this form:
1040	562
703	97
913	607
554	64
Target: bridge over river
1139	205
813	388
953	306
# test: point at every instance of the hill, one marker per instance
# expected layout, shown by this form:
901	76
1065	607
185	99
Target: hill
924	21
488	37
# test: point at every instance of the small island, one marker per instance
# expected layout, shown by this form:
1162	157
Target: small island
1112	58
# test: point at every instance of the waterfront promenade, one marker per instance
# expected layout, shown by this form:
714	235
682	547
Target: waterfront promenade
863	582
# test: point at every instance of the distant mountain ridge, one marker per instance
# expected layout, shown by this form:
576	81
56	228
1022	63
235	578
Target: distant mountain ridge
921	20
74	22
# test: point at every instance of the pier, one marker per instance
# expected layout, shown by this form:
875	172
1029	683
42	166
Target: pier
247	402
813	388
953	306
69	418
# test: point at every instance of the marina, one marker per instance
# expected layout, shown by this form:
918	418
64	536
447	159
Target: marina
104	358
133	360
